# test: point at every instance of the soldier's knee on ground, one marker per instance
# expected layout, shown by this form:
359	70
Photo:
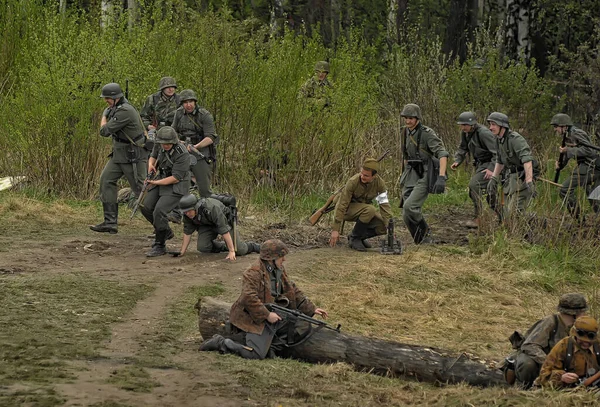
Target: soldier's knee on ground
526	369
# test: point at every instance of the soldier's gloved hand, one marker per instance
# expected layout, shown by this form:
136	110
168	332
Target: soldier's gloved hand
440	185
492	187
531	188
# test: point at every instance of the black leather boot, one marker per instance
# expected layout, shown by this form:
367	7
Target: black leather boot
111	213
355	238
212	344
158	248
422	233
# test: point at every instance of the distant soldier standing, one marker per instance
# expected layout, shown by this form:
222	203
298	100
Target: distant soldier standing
317	89
121	122
585	175
159	108
514	155
479	142
420	146
172	161
355	204
196	127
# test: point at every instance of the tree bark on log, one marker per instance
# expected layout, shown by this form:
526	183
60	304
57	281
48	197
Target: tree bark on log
367	354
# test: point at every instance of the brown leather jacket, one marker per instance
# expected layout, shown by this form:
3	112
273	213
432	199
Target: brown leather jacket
249	314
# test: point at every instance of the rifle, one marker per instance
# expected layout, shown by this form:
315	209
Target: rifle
591	381
127	89
328	207
302	317
143	192
562	158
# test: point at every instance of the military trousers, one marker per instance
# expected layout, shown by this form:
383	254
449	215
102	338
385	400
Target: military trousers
517	196
155	208
478	188
584	176
413	198
207	241
113	172
203	173
526	369
367	214
261	343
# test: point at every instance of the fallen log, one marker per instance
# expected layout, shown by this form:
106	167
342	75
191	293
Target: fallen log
372	355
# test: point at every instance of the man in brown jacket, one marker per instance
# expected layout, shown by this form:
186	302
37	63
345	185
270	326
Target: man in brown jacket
574	357
266	282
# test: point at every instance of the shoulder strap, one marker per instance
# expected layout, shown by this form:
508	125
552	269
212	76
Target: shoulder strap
597	352
555	324
569	355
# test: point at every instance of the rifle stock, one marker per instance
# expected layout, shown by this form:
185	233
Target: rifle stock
562	162
142	195
591	380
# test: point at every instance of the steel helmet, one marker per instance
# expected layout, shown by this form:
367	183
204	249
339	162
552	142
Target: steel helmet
561	119
112	91
188	94
273	249
322	66
467	118
166	82
167	135
188	202
411	110
499	118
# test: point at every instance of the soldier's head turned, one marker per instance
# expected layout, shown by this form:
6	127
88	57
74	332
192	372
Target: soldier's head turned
370	168
467	120
498	123
561	122
572	304
273	250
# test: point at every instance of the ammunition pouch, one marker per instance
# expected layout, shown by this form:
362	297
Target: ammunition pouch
417	166
133	154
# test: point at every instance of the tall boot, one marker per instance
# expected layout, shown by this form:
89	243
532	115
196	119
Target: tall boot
355	238
111	213
422	233
230	346
368	234
158	248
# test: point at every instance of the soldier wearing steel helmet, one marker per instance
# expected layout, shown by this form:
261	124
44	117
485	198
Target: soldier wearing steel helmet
196	127
574	358
584	175
515	157
266	282
420	144
355	204
317	89
121	122
159	108
479	142
211	218
170	161
541	337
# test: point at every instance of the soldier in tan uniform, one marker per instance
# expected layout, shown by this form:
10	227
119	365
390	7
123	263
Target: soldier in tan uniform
355	204
574	358
264	283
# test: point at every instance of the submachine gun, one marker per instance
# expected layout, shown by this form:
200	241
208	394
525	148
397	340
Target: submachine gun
391	245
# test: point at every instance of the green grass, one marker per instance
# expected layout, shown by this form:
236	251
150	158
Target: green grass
133	378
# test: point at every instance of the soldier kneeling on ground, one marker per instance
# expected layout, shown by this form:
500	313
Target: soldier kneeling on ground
574	358
260	332
210	218
523	366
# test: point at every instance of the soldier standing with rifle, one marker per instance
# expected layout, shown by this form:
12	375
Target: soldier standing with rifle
355	204
159	108
477	141
196	127
122	123
424	163
575	144
171	161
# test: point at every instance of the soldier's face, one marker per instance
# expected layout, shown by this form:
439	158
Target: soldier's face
322	75
279	262
496	130
167	147
110	102
583	344
170	91
366	176
560	130
190	214
411	122
189	105
467	128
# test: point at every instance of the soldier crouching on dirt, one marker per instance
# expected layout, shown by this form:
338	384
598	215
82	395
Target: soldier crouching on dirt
574	358
172	161
479	142
264	332
210	218
355	204
540	338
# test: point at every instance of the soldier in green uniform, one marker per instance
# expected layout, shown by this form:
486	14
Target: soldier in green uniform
122	123
317	88
422	151
196	127
514	155
210	218
172	161
479	142
355	205
585	175
159	108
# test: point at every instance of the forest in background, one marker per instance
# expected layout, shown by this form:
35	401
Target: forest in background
247	59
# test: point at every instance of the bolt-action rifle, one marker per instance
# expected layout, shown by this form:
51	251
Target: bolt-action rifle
591	381
562	158
329	204
145	188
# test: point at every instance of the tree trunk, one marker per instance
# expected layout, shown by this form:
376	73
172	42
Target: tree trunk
392	22
105	11
369	355
132	11
62	6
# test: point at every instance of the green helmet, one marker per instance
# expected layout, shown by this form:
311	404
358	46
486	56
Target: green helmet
166	82
561	119
112	91
273	249
499	118
188	202
467	118
411	110
572	304
188	94
167	135
322	66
